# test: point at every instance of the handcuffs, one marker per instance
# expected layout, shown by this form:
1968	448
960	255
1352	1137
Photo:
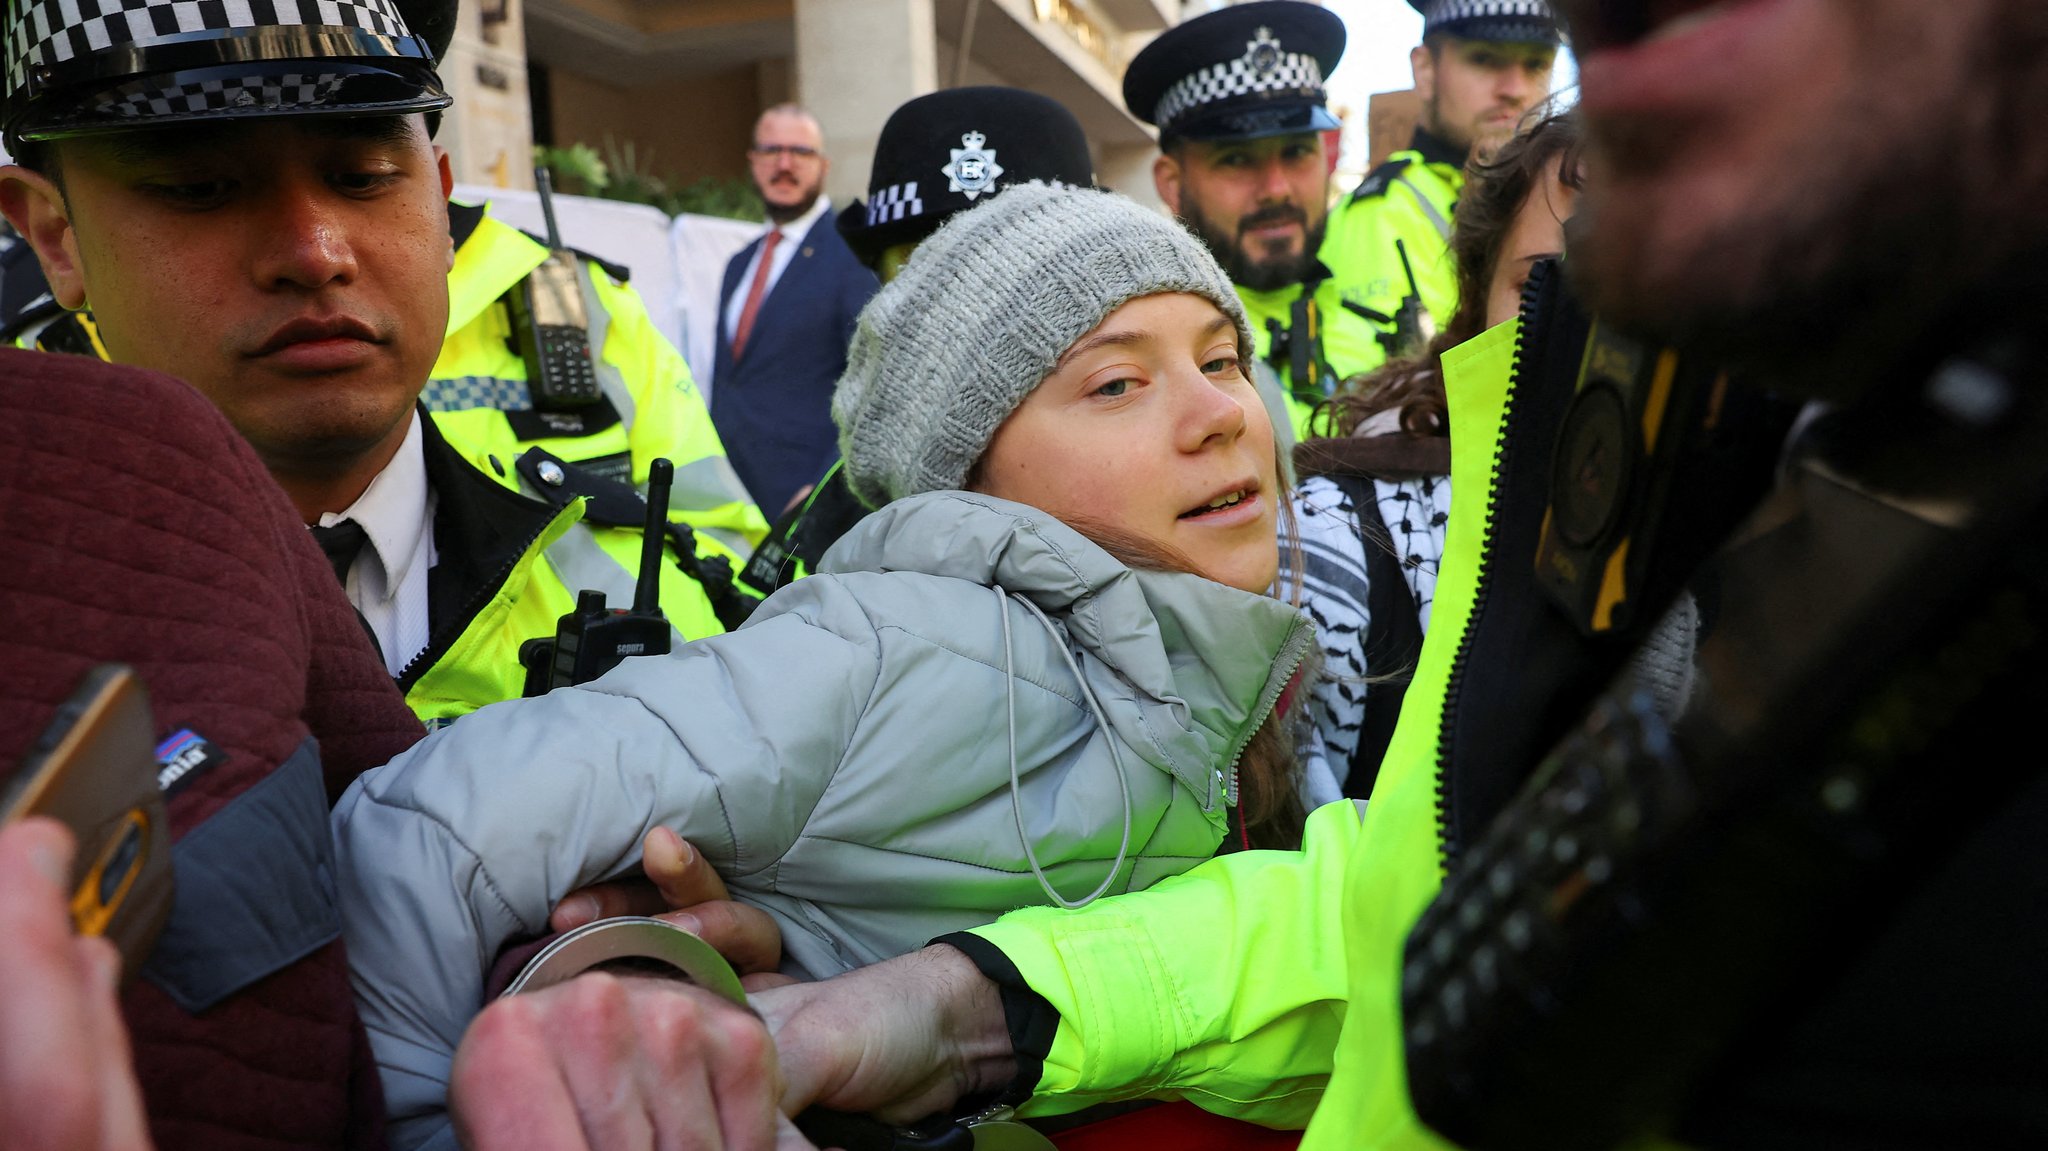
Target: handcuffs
657	942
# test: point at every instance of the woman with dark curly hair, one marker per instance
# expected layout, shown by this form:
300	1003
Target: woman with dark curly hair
1382	445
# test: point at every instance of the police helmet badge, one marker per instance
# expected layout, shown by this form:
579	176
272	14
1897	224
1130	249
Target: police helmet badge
1262	53
973	169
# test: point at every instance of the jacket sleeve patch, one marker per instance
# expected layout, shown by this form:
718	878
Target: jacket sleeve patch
255	889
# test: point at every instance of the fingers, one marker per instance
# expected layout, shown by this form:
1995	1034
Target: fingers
679	870
745	935
504	1092
611	1062
763	980
605	900
120	1095
66	1082
683	885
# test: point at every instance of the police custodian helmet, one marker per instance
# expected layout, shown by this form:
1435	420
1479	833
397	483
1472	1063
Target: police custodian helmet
76	67
1506	21
1238	73
942	152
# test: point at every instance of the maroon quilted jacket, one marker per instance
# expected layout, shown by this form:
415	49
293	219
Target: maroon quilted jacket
137	527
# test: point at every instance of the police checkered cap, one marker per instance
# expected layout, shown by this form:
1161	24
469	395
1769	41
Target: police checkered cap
107	63
1264	67
1515	21
1241	71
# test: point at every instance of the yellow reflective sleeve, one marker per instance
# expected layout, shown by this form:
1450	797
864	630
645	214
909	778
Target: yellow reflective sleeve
671	419
1224	986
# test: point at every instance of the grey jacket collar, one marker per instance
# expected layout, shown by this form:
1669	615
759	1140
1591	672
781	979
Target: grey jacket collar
1200	663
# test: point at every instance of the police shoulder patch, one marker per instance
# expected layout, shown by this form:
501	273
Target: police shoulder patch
1378	180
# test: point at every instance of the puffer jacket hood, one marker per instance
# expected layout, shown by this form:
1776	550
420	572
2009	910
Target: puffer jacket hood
1166	645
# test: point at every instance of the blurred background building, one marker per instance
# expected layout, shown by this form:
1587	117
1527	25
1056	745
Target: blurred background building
668	89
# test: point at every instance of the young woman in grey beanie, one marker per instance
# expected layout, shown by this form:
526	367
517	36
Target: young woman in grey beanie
975	705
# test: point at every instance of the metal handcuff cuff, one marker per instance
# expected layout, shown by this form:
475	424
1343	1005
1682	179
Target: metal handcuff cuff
659	943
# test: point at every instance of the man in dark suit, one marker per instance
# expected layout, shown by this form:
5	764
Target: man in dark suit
786	313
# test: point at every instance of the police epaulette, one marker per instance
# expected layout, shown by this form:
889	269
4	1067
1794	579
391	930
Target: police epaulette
610	503
619	272
1378	180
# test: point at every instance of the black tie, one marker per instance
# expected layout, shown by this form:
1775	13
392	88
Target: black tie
342	542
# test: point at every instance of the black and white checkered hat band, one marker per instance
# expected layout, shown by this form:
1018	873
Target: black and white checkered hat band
896	202
139	100
1459	11
55	32
1291	72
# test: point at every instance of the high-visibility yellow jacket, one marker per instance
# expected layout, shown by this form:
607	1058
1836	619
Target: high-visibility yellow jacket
514	553
1266	985
1341	342
1404	205
652	408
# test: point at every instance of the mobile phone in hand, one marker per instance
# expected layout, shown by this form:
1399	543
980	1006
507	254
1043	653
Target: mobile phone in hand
94	769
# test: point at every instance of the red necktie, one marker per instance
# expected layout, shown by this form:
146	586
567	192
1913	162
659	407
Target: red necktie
755	291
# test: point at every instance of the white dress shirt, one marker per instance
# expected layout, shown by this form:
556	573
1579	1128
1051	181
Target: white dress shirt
793	234
388	580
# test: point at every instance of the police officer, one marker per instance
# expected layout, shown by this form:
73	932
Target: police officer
273	229
1480	66
938	155
1238	98
492	393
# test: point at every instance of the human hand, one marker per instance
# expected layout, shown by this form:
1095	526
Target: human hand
621	1063
67	1082
900	1040
683	889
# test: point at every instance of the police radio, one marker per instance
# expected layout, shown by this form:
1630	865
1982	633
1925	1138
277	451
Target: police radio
550	325
595	638
1407	332
1297	347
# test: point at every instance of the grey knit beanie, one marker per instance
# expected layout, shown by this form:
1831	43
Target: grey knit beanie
977	319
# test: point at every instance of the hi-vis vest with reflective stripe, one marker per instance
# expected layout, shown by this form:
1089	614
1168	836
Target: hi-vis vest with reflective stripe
529	560
480	401
1411	200
480	665
1342	338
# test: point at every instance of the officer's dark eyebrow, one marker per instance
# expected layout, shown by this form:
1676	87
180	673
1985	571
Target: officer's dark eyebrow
1127	338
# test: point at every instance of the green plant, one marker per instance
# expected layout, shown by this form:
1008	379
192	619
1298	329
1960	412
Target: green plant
734	199
575	169
622	173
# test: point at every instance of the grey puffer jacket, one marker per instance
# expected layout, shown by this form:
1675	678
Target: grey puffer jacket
845	760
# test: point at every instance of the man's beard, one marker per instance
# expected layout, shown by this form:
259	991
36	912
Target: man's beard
780	214
1923	192
1245	270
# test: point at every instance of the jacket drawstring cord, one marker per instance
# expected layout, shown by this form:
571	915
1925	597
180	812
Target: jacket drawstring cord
1016	789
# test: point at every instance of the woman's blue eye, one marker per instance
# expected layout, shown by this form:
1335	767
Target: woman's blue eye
1114	388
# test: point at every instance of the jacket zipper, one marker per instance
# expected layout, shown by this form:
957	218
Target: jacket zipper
459	624
1293	654
1448	849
